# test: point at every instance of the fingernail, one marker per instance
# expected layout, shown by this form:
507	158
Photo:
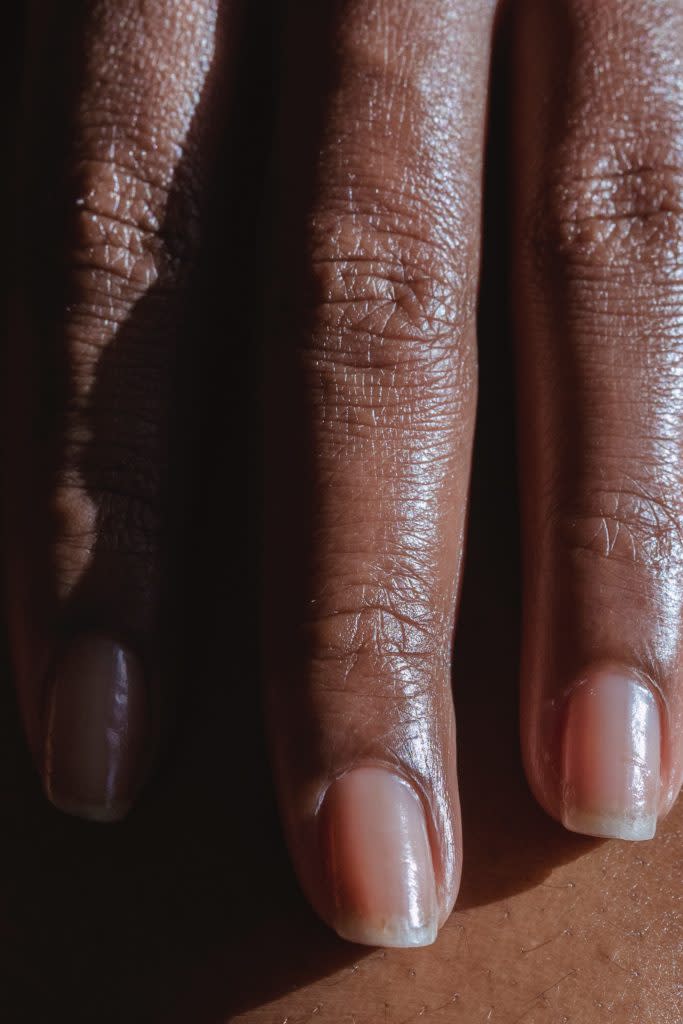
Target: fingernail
96	728
611	758
379	860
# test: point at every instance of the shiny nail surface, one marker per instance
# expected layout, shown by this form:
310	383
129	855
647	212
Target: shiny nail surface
379	860
611	757
96	729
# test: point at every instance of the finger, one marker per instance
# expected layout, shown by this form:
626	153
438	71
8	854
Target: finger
121	115
600	225
370	406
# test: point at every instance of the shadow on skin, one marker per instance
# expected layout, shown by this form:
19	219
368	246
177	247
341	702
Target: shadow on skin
186	911
189	911
510	844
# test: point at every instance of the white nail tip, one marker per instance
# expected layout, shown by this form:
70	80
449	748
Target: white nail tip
396	933
91	812
611	827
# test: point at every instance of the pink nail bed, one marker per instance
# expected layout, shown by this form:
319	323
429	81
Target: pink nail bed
611	757
379	860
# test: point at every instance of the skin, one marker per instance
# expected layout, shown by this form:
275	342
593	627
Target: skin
370	390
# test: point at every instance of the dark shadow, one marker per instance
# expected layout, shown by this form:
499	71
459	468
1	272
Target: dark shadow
510	844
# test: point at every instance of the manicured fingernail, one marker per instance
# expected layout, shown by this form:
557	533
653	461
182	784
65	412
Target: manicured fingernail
611	758
96	729
379	860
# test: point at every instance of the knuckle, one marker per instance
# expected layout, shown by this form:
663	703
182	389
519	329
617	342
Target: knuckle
133	224
116	232
117	464
93	522
98	529
373	640
617	209
387	294
628	526
118	225
109	486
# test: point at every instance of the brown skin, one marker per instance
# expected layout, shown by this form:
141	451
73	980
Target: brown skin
378	197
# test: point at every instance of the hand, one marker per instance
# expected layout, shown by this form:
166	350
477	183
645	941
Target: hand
370	402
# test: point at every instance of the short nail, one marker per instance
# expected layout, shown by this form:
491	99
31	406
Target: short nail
611	757
379	860
96	729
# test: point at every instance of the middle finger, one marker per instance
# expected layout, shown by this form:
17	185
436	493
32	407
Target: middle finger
371	410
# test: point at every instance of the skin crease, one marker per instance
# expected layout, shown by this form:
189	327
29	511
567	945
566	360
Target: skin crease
371	408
